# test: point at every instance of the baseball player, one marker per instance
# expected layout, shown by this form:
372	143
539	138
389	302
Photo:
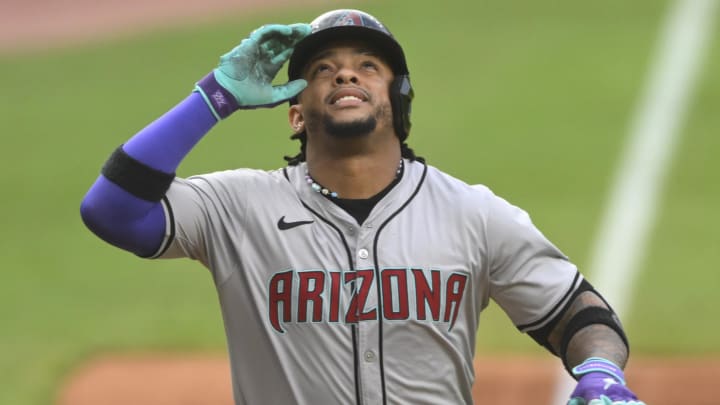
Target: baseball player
357	273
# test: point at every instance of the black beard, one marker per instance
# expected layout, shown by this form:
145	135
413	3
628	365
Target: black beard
352	129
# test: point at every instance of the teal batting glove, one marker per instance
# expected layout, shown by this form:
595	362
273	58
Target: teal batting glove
243	78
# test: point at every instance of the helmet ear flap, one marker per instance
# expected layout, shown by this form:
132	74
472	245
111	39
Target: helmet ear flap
401	95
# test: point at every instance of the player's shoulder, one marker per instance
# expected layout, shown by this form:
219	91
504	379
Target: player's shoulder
442	182
471	199
236	175
235	179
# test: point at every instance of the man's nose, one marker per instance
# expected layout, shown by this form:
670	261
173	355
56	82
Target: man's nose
345	76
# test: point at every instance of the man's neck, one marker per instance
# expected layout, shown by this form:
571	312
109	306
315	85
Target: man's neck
355	175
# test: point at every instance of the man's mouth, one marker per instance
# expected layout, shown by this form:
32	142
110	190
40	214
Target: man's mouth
348	96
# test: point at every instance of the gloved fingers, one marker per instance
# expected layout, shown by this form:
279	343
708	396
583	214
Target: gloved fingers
270	31
281	57
285	36
288	90
239	56
299	31
236	52
576	401
276	42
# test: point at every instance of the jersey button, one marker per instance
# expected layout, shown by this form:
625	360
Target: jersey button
363	253
369	356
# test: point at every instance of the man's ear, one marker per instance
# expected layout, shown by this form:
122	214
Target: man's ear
295	118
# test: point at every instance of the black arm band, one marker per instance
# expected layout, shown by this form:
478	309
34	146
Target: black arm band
586	317
135	177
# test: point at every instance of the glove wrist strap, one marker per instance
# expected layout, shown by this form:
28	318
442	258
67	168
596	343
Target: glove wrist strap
600	365
221	102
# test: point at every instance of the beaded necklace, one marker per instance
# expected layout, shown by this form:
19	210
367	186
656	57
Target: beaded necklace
318	188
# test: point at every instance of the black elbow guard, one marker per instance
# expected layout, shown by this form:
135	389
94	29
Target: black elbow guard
586	317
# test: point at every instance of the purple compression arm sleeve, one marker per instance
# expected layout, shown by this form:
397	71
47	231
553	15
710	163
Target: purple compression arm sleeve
129	222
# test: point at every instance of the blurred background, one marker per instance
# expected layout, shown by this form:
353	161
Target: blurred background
534	99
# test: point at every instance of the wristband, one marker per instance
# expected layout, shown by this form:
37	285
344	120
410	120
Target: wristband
600	365
221	102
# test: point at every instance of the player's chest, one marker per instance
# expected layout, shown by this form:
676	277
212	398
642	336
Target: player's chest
309	269
301	241
330	274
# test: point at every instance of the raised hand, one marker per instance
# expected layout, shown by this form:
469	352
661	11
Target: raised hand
246	72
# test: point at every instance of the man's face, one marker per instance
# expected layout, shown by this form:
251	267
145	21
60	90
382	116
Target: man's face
348	91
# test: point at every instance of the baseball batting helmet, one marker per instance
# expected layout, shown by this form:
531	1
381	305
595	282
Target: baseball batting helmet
358	25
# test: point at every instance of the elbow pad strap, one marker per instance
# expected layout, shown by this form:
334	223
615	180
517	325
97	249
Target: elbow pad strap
135	177
586	317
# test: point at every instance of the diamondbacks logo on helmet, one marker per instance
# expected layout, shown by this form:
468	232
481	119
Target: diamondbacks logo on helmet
350	19
346	24
341	18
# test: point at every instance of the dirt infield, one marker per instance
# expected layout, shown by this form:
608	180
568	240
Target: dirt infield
205	379
196	379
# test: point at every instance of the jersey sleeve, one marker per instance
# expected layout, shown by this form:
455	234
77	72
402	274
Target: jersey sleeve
202	211
530	278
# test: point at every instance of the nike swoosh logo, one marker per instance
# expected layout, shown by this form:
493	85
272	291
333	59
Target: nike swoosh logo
284	226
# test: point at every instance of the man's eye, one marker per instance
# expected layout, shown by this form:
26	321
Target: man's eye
369	65
322	68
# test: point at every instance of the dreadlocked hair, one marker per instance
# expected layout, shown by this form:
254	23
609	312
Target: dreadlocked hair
300	157
405	151
409	154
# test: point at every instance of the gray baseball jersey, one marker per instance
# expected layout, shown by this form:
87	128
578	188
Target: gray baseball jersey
320	310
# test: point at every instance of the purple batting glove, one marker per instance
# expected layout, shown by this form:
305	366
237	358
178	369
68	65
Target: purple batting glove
600	382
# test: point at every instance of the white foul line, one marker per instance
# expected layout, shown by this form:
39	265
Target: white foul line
630	211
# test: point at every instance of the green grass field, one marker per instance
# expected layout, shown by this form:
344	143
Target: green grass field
530	98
